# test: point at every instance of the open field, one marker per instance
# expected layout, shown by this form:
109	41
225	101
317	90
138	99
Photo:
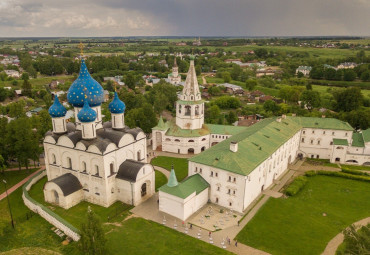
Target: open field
13	177
180	165
37	83
297	225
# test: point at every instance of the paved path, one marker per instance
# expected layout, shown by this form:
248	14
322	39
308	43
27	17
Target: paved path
16	186
332	246
163	171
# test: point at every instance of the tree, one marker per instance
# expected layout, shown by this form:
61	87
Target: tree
348	99
317	72
330	73
109	86
236	71
310	99
23	142
261	53
365	76
231	117
3	94
143	117
2	164
17	109
92	240
130	80
251	84
213	114
226	76
26	86
271	106
356	242
300	75
349	75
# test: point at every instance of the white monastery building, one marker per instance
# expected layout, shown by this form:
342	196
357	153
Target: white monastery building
188	134
235	165
94	161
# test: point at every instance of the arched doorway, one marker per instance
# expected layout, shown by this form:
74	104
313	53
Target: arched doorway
214	143
158	141
262	188
337	159
203	148
300	156
143	189
56	197
190	151
366	163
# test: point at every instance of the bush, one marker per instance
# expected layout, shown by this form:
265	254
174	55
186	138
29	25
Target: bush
310	173
296	186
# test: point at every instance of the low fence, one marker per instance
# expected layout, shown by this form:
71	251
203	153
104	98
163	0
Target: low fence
45	212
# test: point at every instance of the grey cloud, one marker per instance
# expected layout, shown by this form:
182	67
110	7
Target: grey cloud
184	17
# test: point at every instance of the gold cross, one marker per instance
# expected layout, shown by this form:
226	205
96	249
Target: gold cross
81	46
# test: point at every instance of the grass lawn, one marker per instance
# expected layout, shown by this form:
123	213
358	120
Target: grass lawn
320	162
160	180
13	177
296	225
35	232
180	165
139	236
353	167
75	215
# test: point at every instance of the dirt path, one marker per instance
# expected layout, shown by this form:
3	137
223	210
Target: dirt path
19	184
332	246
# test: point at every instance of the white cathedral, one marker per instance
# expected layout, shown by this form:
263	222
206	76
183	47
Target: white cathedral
94	161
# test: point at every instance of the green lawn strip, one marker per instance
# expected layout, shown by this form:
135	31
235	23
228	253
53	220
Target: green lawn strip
13	177
35	232
353	167
75	215
139	236
296	224
180	165
160	180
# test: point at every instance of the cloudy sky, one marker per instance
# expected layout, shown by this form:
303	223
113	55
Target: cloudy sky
20	18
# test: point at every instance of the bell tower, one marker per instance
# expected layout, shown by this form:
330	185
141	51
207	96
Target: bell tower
190	107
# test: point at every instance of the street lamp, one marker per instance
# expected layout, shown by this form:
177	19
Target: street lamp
7	197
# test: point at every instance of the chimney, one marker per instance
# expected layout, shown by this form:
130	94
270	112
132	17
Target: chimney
234	146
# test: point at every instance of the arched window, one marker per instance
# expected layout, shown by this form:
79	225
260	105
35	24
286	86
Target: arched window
177	140
204	139
187	110
112	190
138	155
191	141
168	139
96	170
197	110
69	163
111	167
53	159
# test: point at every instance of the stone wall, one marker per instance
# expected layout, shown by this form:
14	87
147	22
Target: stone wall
45	212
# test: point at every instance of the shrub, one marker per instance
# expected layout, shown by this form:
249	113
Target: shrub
345	175
310	173
296	186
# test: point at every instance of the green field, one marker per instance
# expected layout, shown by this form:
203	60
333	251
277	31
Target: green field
141	237
296	225
37	83
13	177
160	180
180	165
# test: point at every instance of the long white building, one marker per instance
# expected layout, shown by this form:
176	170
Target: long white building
235	171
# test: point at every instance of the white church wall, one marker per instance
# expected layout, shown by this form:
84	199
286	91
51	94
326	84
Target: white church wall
172	205
181	145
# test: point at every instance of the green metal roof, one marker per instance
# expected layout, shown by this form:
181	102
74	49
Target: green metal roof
255	144
322	123
194	183
357	140
190	102
172	180
224	129
174	130
161	125
340	141
366	135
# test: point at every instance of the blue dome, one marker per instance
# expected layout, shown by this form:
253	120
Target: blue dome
117	106
84	82
86	114
57	109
